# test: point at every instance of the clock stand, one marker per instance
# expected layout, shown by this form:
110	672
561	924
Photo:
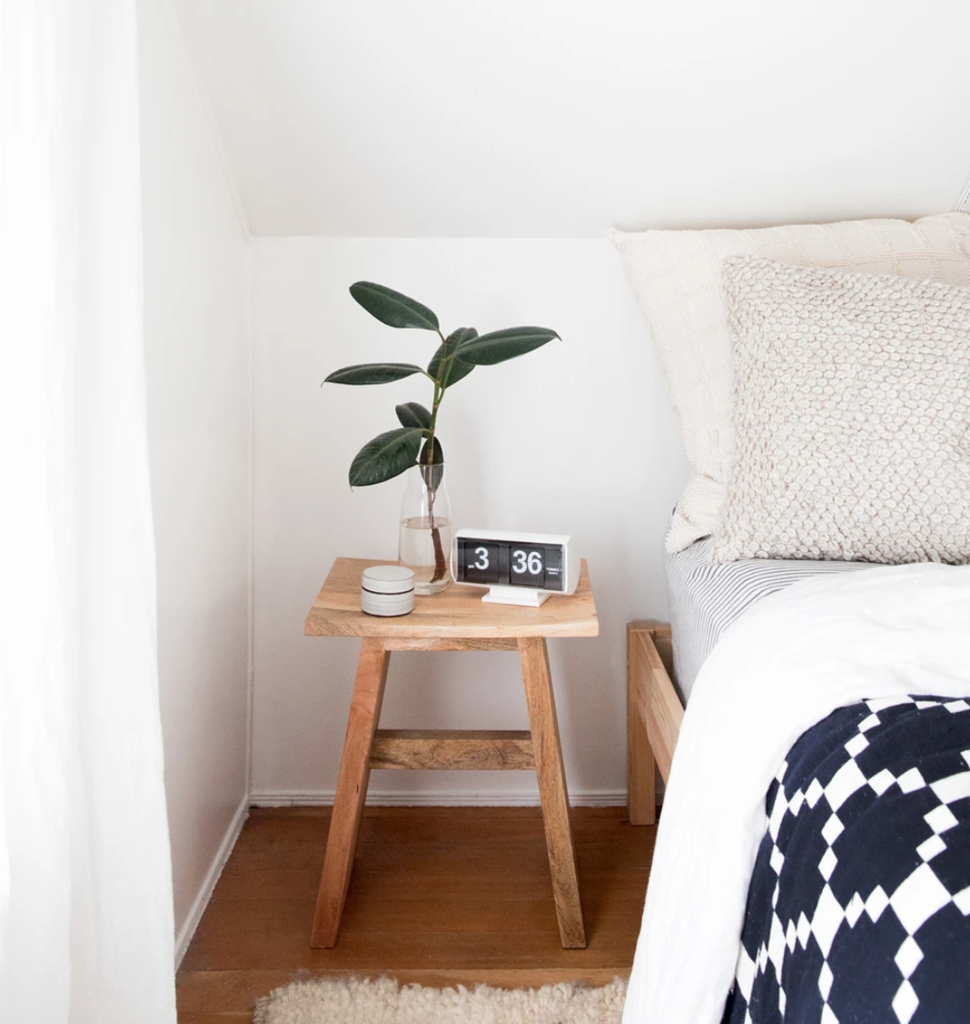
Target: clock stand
514	596
454	620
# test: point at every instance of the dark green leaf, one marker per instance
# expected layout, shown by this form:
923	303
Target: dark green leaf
387	456
456	369
439	455
393	308
460	336
497	346
413	414
437	465
372	373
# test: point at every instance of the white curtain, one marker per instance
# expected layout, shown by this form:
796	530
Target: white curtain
86	931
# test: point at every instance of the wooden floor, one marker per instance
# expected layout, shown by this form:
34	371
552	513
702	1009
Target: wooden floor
439	896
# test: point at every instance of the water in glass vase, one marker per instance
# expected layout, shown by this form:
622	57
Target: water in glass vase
417	550
424	540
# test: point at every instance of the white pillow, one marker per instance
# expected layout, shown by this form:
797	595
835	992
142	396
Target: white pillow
851	416
676	276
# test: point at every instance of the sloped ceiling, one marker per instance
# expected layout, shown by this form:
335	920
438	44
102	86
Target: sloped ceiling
558	118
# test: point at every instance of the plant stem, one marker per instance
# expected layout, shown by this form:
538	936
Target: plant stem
440	563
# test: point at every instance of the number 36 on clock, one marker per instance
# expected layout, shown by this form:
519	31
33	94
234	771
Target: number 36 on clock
526	562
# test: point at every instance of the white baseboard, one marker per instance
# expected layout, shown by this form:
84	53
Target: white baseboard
432	798
187	930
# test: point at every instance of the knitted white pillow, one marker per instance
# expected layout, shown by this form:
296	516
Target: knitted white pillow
676	276
851	416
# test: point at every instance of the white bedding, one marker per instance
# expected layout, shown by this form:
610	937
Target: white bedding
792	659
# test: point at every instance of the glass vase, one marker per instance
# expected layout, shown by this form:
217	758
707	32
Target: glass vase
424	539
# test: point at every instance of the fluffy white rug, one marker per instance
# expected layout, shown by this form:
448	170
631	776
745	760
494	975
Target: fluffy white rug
355	1001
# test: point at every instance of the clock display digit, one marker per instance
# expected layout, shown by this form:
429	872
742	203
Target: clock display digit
479	561
526	567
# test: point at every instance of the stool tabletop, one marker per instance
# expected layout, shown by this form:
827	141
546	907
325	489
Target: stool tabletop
455	612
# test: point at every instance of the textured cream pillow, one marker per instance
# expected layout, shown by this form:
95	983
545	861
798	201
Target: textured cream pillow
676	276
851	416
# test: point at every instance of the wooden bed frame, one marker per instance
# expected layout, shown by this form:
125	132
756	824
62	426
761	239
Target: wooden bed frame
654	713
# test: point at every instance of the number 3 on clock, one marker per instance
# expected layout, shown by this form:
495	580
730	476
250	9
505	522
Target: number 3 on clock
482	563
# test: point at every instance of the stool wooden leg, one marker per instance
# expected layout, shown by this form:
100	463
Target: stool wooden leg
348	803
552	790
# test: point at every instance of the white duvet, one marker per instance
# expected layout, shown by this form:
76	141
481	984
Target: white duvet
789	661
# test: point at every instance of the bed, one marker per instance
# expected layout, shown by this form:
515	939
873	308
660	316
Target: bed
724	840
813	860
706	597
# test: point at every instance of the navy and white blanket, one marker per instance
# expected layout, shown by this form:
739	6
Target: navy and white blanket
788	663
859	904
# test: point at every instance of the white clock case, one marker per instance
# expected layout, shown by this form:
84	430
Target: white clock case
528	597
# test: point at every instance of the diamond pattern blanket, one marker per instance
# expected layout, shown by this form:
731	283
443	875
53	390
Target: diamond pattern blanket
894	643
859	904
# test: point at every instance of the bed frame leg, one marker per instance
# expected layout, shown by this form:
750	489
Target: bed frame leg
640	763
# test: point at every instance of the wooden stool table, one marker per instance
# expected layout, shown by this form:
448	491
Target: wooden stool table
454	620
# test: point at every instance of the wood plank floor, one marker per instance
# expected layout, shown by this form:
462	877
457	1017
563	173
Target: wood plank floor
439	896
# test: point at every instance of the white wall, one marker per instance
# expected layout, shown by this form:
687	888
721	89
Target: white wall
575	438
554	118
197	350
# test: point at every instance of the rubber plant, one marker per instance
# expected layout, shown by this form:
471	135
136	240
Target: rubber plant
415	441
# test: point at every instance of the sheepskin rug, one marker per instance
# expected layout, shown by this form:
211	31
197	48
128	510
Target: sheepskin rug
356	1001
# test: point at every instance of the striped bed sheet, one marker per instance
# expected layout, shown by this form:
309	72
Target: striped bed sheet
706	597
